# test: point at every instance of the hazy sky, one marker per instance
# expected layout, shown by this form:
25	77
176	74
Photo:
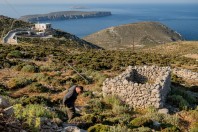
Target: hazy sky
99	1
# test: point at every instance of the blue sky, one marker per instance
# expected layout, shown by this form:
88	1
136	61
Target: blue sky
98	1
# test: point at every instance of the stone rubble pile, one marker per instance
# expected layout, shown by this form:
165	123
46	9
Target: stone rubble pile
186	74
140	86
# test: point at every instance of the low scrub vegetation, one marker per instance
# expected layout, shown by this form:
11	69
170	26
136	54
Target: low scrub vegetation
35	77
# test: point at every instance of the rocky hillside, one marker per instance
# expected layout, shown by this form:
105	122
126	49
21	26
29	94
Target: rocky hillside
59	37
7	24
35	75
138	34
64	15
34	79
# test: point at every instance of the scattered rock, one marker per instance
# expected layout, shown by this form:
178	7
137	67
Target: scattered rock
4	103
163	111
9	111
156	124
57	121
73	129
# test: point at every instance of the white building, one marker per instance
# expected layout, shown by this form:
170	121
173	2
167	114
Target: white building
42	26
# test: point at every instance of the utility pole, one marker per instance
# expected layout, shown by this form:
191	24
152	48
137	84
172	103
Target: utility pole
133	45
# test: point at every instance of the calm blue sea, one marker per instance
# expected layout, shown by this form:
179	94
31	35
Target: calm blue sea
181	17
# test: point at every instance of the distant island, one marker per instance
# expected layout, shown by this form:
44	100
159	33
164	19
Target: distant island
79	7
64	15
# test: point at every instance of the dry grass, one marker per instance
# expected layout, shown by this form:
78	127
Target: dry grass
183	48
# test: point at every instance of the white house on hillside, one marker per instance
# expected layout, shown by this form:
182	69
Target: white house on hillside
42	26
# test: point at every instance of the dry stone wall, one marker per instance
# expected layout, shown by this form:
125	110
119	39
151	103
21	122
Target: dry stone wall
141	86
186	74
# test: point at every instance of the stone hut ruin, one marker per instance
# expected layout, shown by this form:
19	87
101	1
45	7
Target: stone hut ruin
140	86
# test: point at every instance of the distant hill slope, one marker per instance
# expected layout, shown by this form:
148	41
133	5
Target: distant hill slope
7	24
64	15
60	37
139	34
184	48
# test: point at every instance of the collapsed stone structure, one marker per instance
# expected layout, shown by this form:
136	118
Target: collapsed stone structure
141	86
186	74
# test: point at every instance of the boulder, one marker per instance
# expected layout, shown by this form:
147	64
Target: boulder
73	129
4	103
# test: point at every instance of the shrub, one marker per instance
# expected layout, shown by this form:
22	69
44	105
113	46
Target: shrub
188	97
35	100
37	87
84	121
31	114
117	106
45	68
178	101
98	128
97	78
141	121
15	54
19	67
120	128
95	106
171	129
29	68
3	90
194	128
19	82
143	129
88	94
176	79
41	77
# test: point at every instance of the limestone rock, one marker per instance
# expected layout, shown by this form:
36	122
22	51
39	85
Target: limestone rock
4	103
9	111
73	129
163	111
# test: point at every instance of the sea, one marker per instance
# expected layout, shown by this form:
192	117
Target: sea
183	18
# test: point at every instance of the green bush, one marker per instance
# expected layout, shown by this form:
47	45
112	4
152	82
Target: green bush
45	68
15	54
18	67
98	128
41	77
141	121
95	106
19	82
171	129
25	100
37	87
142	129
117	106
178	101
88	94
29	68
31	114
188	97
84	121
3	90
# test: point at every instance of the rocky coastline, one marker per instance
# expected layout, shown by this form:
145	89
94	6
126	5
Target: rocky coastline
64	15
